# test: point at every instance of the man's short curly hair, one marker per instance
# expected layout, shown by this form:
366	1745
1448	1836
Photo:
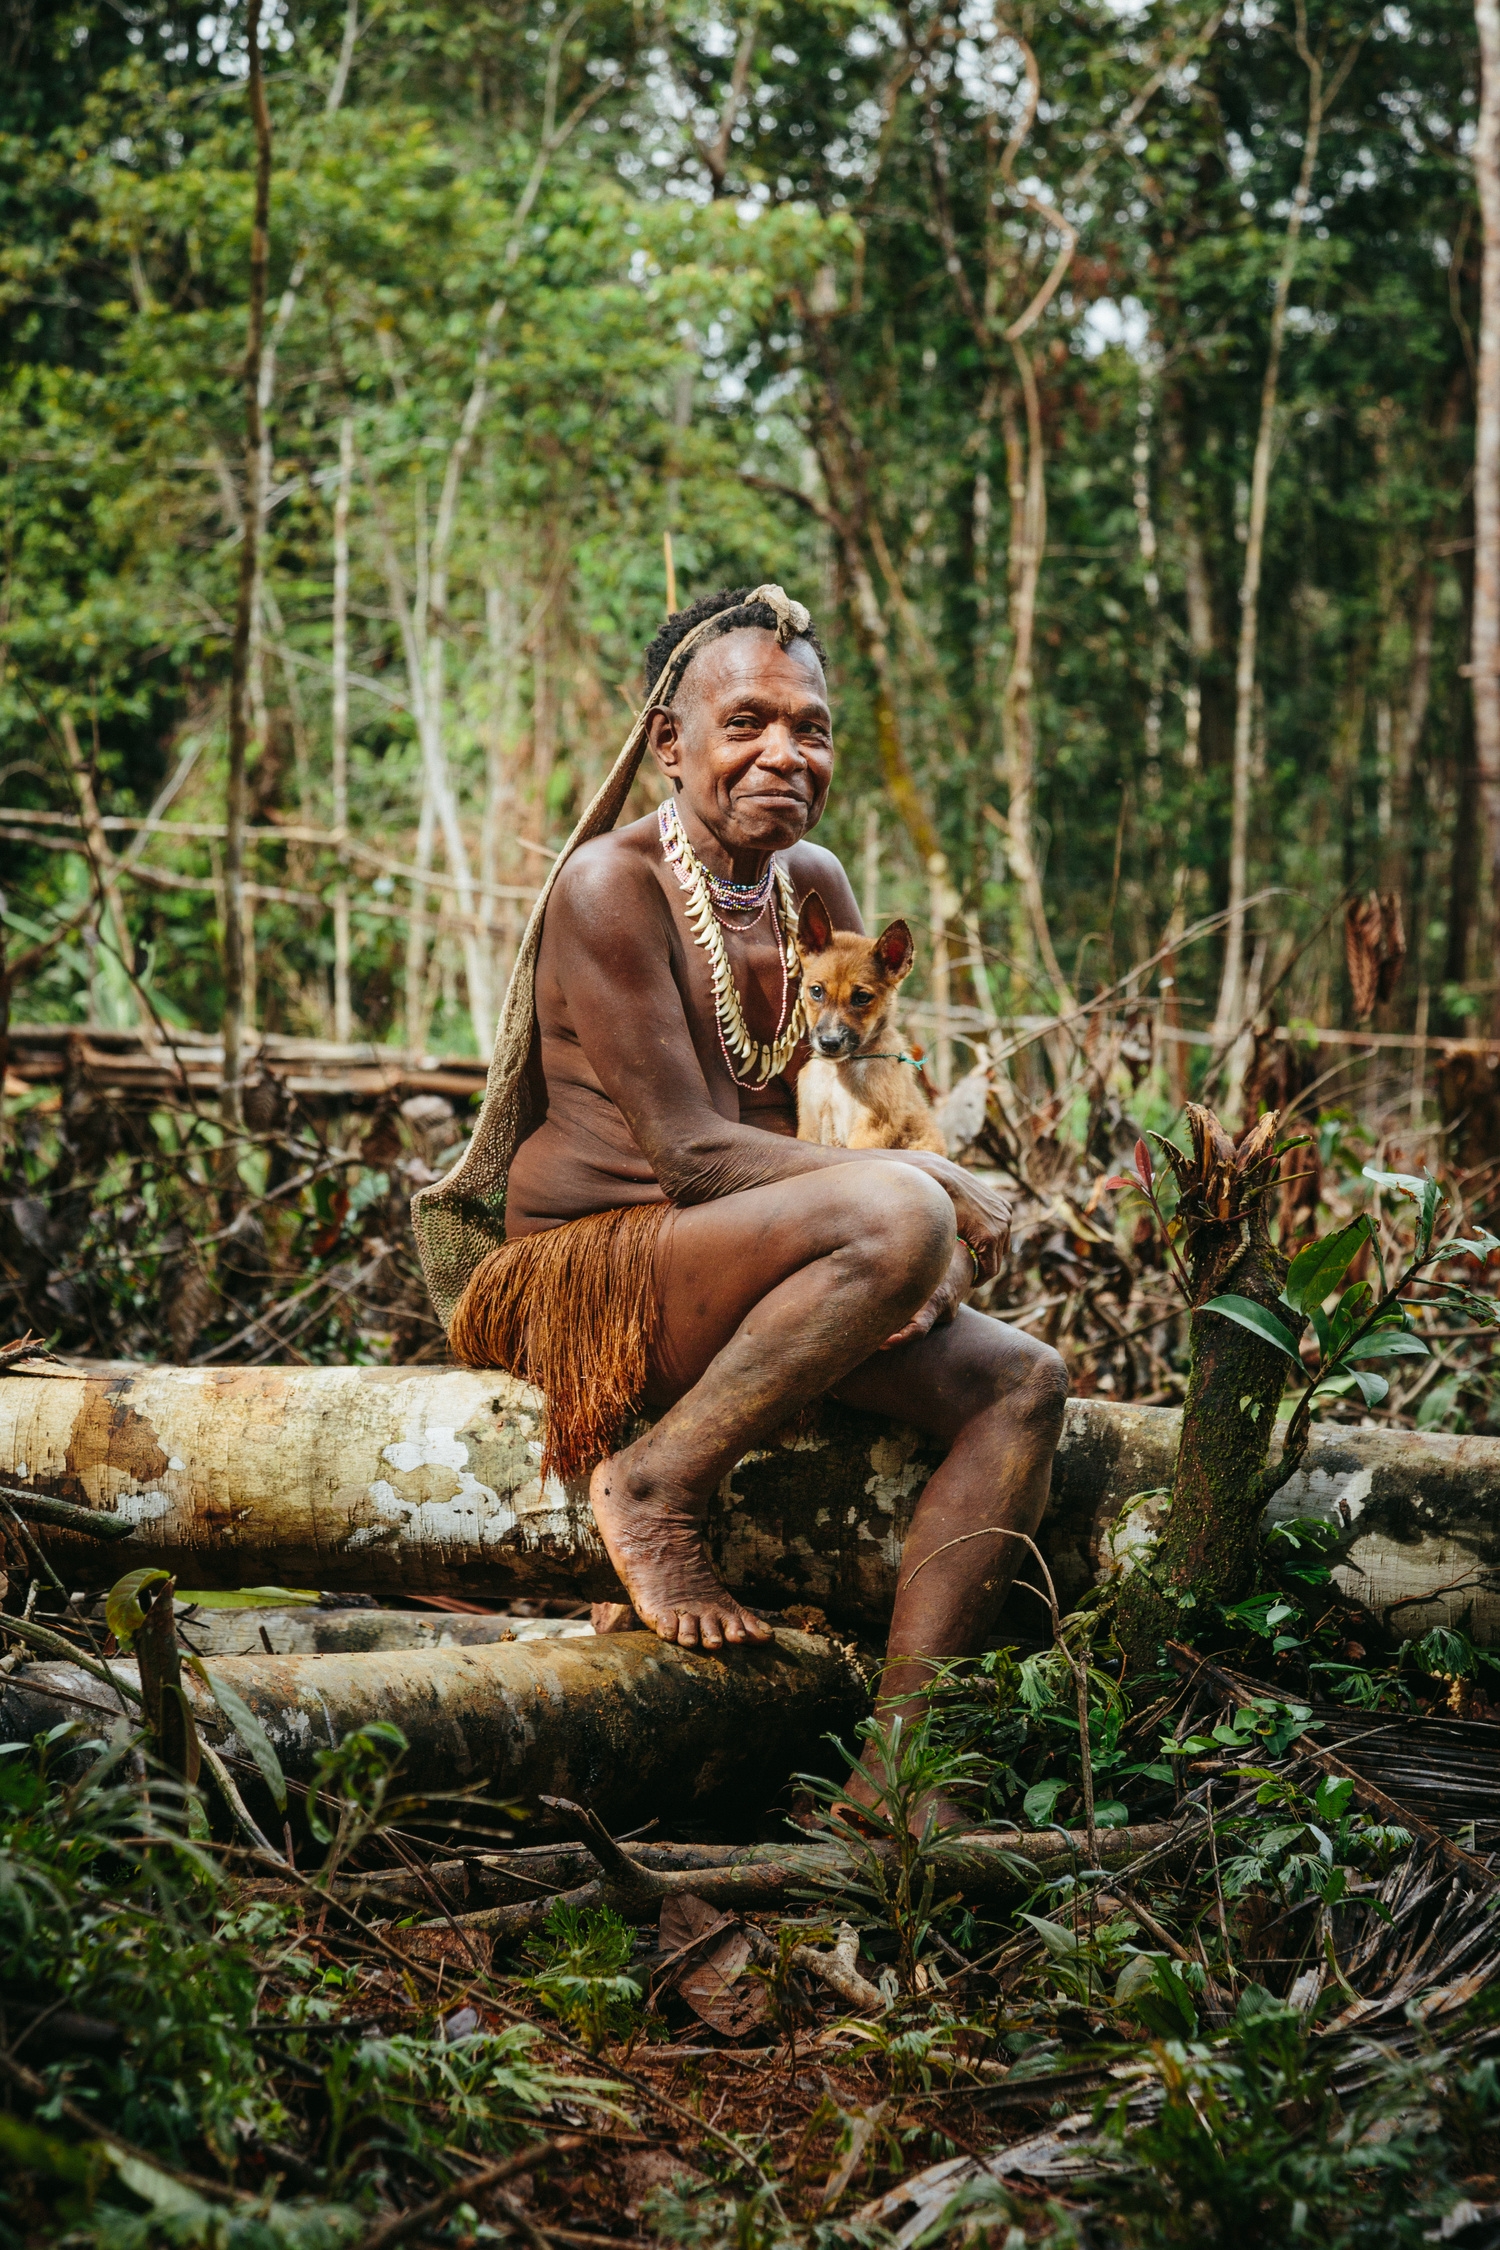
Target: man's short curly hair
732	610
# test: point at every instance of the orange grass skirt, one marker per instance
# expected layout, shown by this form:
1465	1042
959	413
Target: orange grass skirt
576	1312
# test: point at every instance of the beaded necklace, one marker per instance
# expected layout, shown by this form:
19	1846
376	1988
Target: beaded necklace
736	1039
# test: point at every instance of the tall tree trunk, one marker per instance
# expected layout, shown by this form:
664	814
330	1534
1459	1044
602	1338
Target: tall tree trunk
849	515
1485	646
1028	545
239	681
342	1012
497	829
104	859
416	932
1230	1010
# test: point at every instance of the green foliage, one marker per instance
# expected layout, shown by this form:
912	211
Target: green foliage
109	1910
1085	1956
581	1956
162	2209
1363	1325
916	1783
1264	1725
1252	2146
1310	1846
356	1776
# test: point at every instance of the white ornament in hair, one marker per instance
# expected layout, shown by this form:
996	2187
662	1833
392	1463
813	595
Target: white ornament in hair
791	617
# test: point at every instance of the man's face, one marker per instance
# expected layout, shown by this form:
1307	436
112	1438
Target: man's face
749	741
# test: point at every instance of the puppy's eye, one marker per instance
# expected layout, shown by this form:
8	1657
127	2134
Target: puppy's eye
815	992
859	998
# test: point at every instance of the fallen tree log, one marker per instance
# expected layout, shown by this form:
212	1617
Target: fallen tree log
627	1724
310	1631
410	1481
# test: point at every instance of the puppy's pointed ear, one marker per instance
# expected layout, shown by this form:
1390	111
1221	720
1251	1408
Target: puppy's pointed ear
894	951
814	925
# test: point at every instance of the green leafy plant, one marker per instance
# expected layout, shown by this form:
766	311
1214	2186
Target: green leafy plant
1366	1323
110	1909
1315	1845
1083	1958
1161	1993
1265	1725
355	1777
581	1956
892	1843
1252	2148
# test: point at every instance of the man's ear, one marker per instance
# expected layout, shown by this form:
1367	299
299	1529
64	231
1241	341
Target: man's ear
894	950
814	925
664	734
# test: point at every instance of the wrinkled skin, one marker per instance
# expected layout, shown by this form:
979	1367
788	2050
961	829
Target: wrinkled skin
787	1271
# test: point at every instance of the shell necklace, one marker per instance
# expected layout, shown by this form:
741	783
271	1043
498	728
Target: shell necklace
738	1042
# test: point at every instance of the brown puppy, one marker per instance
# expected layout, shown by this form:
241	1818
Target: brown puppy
856	1090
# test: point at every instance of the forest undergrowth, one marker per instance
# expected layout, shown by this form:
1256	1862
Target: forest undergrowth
1246	1998
1272	2020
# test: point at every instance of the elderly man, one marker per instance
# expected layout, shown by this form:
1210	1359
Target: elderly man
669	1242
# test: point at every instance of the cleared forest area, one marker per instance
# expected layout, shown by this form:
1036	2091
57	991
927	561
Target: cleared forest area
1119	387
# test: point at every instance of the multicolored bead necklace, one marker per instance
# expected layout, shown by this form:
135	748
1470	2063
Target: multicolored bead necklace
707	896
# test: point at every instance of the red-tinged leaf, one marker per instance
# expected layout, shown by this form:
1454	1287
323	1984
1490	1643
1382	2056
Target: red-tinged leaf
1143	1166
1117	1180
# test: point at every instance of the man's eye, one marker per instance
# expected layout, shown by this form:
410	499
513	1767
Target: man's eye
815	992
859	998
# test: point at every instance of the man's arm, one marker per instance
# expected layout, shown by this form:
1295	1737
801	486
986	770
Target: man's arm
611	935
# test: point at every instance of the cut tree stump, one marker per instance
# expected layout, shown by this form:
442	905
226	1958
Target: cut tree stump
626	1724
405	1481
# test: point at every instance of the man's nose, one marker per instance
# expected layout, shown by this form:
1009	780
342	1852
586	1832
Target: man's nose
780	748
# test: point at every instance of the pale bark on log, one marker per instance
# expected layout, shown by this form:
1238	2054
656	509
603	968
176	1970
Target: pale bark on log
626	1724
406	1481
309	1631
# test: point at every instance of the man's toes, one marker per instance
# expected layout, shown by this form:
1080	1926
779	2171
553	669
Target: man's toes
687	1629
709	1631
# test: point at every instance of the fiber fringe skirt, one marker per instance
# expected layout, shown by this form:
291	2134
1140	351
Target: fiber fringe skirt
575	1311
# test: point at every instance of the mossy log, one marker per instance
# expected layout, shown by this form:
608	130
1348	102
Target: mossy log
417	1481
625	1724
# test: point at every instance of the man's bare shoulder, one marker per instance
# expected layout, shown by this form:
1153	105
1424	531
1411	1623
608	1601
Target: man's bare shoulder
607	870
812	868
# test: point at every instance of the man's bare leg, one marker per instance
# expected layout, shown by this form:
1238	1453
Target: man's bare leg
770	1298
738	1371
995	1397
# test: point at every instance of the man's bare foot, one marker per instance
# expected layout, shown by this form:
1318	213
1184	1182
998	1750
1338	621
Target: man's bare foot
656	1545
613	1617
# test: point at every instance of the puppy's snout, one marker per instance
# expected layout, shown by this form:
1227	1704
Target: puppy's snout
832	1040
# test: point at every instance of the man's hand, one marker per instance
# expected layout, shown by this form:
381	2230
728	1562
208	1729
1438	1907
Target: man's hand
983	1217
982	1213
951	1292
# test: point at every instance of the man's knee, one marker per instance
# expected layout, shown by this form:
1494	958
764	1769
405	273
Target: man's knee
1041	1394
1013	1376
903	1225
